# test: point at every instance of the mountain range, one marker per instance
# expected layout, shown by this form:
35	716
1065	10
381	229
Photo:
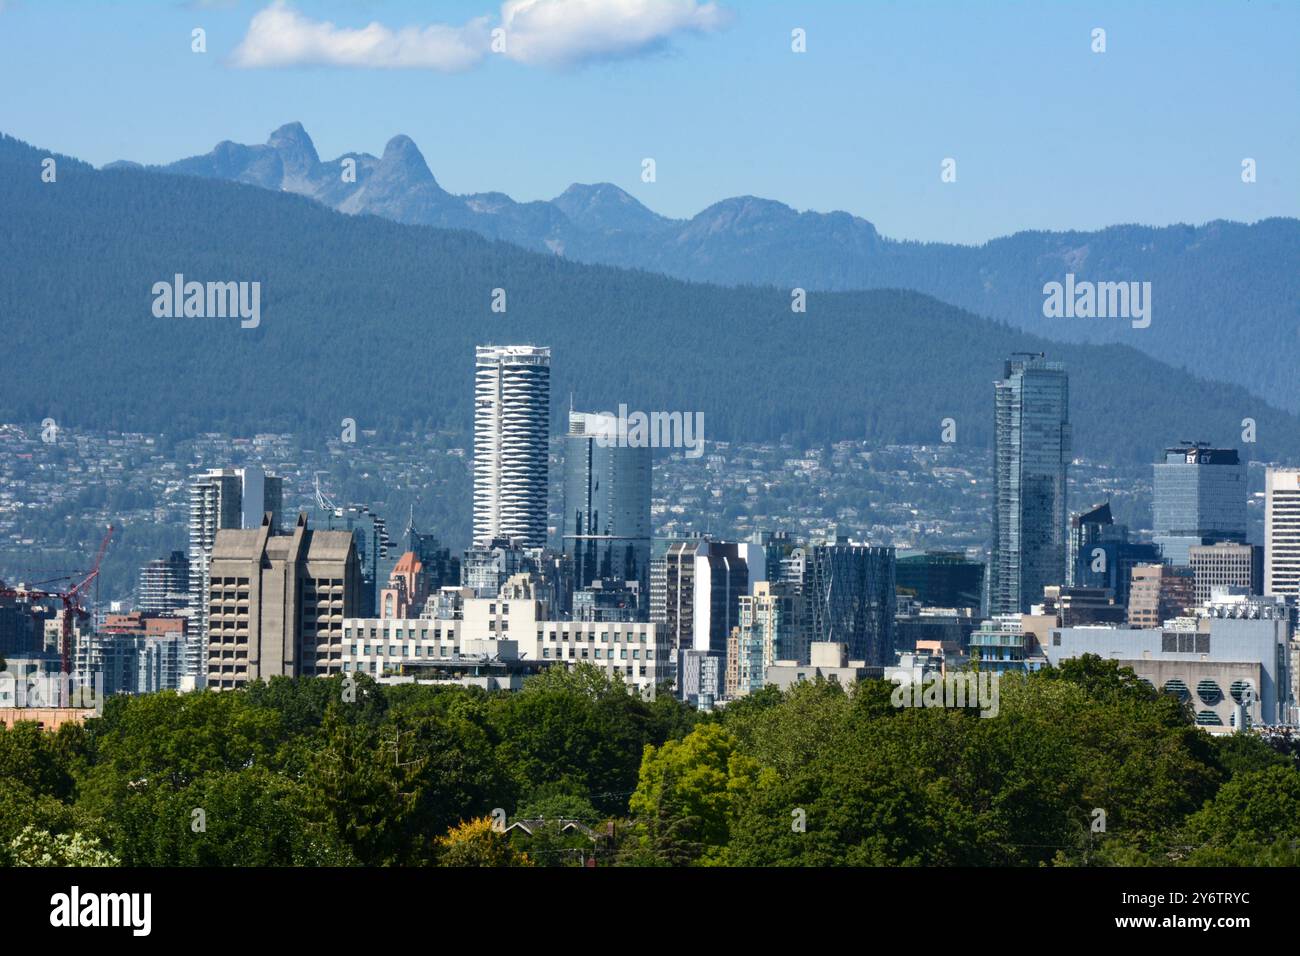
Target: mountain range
1225	296
372	320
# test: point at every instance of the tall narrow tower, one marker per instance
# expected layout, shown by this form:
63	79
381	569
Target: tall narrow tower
512	404
1032	402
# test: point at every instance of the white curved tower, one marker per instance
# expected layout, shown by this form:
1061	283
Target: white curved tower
512	405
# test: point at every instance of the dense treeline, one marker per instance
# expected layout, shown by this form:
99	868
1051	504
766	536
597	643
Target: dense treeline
324	772
371	320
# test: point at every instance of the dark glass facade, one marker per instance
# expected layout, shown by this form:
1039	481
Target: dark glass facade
848	598
1032	452
1199	498
606	528
942	579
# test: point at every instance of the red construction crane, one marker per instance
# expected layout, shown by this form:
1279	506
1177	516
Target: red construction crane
71	599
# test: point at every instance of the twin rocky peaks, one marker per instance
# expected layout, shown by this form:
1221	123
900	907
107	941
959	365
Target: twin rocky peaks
1214	285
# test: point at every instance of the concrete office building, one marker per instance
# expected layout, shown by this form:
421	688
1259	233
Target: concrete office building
634	650
1225	662
1226	565
606	529
1198	498
277	603
1282	531
827	660
370	532
512	405
221	499
1032	452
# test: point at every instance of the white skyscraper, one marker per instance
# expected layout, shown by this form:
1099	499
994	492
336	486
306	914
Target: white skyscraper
512	404
1282	531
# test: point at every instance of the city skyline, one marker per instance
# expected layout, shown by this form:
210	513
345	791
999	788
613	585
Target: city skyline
653	434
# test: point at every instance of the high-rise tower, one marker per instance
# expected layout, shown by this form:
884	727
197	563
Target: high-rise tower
512	403
1032	425
1199	497
606	528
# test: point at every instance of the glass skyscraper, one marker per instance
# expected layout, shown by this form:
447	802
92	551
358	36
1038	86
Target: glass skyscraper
1032	452
849	597
1199	498
606	527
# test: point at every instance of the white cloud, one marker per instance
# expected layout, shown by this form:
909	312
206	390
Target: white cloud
542	32
281	36
560	32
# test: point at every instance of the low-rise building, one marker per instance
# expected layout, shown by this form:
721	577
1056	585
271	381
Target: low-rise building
1215	665
632	649
828	660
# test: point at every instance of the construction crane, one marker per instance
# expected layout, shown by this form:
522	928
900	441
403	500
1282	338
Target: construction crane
70	598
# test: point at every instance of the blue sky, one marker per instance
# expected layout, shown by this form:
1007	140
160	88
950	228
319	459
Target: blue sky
1046	133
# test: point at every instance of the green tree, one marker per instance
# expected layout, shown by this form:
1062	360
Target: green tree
33	847
477	843
387	790
688	792
1254	820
